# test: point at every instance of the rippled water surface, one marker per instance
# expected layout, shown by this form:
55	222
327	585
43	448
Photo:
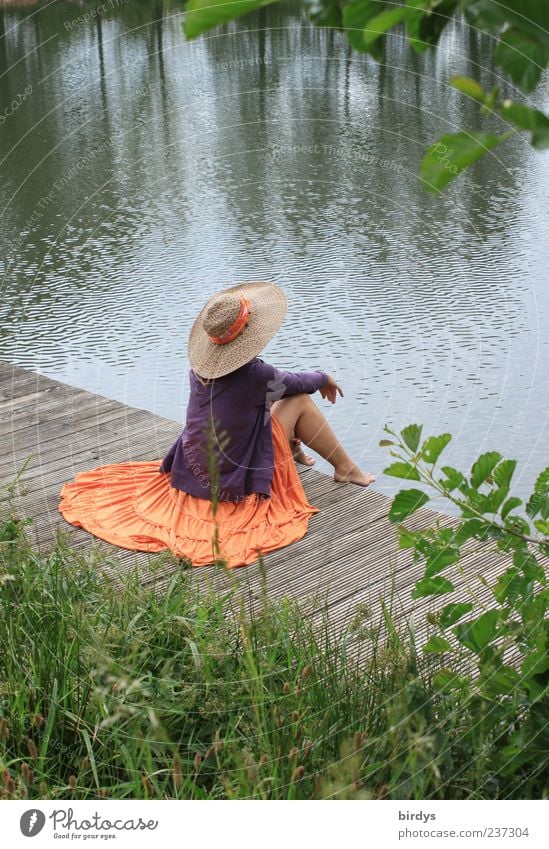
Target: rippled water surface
141	173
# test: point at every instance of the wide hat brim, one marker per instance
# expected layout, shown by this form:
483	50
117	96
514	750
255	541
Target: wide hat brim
268	311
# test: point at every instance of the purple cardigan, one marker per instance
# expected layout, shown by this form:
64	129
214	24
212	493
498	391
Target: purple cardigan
239	405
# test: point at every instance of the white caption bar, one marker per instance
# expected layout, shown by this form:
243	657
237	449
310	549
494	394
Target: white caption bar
253	824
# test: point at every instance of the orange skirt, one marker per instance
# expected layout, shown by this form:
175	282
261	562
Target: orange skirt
133	505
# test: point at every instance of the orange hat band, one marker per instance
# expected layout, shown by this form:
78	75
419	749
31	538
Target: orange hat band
238	325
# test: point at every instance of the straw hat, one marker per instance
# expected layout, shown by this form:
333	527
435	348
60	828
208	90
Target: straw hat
234	326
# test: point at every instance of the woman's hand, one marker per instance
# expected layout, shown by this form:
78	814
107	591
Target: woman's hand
330	390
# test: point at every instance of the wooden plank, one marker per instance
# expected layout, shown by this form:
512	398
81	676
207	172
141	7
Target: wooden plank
9	395
58	408
416	609
68	423
133	448
13	383
15	376
93	445
49	438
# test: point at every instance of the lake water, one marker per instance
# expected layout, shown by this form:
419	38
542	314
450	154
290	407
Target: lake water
141	173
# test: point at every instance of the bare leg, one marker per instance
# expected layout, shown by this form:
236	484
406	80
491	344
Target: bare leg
299	454
301	418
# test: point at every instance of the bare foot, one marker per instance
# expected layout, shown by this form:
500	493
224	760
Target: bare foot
353	475
299	454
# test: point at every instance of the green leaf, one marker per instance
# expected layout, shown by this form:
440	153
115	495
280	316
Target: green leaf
378	26
408	539
534	504
469	87
436	645
509	505
446	679
453	478
432	586
535	664
202	15
542	482
402	470
533	614
483	467
411	436
441	559
484	14
91	756
528	119
518	525
406	502
324	13
523	57
450	614
542	525
488	106
528	15
539	495
371	768
504	472
384	443
523	557
433	447
477	528
356	16
494	500
526	561
500	681
479	633
509	586
451	154
426	21
505	542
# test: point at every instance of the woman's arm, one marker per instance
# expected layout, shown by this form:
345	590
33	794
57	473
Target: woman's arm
279	383
331	389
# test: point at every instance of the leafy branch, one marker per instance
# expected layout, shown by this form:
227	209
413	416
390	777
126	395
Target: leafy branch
474	504
516	620
519	27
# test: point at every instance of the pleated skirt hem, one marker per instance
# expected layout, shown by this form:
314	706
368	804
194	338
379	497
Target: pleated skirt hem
133	506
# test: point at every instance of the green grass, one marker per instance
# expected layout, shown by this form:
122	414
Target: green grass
181	693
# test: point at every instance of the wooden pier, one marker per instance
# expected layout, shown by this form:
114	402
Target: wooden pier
349	557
